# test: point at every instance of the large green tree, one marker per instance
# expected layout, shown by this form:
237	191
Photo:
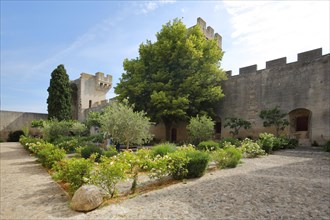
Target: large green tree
176	77
59	98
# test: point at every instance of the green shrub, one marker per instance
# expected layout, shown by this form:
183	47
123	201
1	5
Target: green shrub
111	152
233	141
26	141
50	155
69	144
197	164
266	141
292	143
279	143
227	158
53	129
35	148
327	146
37	123
87	151
108	173
200	129
251	149
77	128
95	138
177	164
163	149
208	145
14	136
74	171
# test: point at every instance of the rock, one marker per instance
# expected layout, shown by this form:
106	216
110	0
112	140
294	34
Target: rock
87	198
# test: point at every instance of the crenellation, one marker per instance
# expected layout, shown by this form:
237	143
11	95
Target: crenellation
248	69
276	63
309	55
281	62
201	23
229	73
209	31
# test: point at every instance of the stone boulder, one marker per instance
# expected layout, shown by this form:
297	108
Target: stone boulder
87	198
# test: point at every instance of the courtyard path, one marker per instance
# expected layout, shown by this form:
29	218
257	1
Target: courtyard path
290	184
27	190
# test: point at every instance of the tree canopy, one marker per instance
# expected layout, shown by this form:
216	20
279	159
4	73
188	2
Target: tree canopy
124	125
59	98
176	77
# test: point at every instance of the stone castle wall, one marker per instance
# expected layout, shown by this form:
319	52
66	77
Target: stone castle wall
304	84
12	121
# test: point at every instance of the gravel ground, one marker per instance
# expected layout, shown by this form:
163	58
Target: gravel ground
290	184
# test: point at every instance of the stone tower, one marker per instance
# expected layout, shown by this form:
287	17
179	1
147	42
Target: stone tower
89	91
209	31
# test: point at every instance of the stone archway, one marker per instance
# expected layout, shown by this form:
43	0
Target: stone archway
300	125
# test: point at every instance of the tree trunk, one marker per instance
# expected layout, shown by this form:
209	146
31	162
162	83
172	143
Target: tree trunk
168	125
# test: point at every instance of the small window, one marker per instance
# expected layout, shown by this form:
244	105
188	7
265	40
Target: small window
90	103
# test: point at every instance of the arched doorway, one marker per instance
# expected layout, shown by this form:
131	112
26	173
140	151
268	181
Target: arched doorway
300	124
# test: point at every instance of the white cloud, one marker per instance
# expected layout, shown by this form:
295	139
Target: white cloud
271	29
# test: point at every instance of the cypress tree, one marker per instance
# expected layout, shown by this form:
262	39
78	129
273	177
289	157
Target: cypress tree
59	95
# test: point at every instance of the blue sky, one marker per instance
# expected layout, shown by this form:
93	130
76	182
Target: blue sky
96	36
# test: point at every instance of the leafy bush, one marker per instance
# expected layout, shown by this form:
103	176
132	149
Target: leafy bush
292	143
87	151
200	129
95	138
227	158
208	145
50	155
53	129
163	149
111	152
327	146
35	148
14	136
78	128
231	140
251	149
266	141
69	144
37	123
108	173
197	164
74	171
26	141
177	164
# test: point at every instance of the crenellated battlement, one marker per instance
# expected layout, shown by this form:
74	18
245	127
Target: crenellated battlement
209	31
103	82
304	57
